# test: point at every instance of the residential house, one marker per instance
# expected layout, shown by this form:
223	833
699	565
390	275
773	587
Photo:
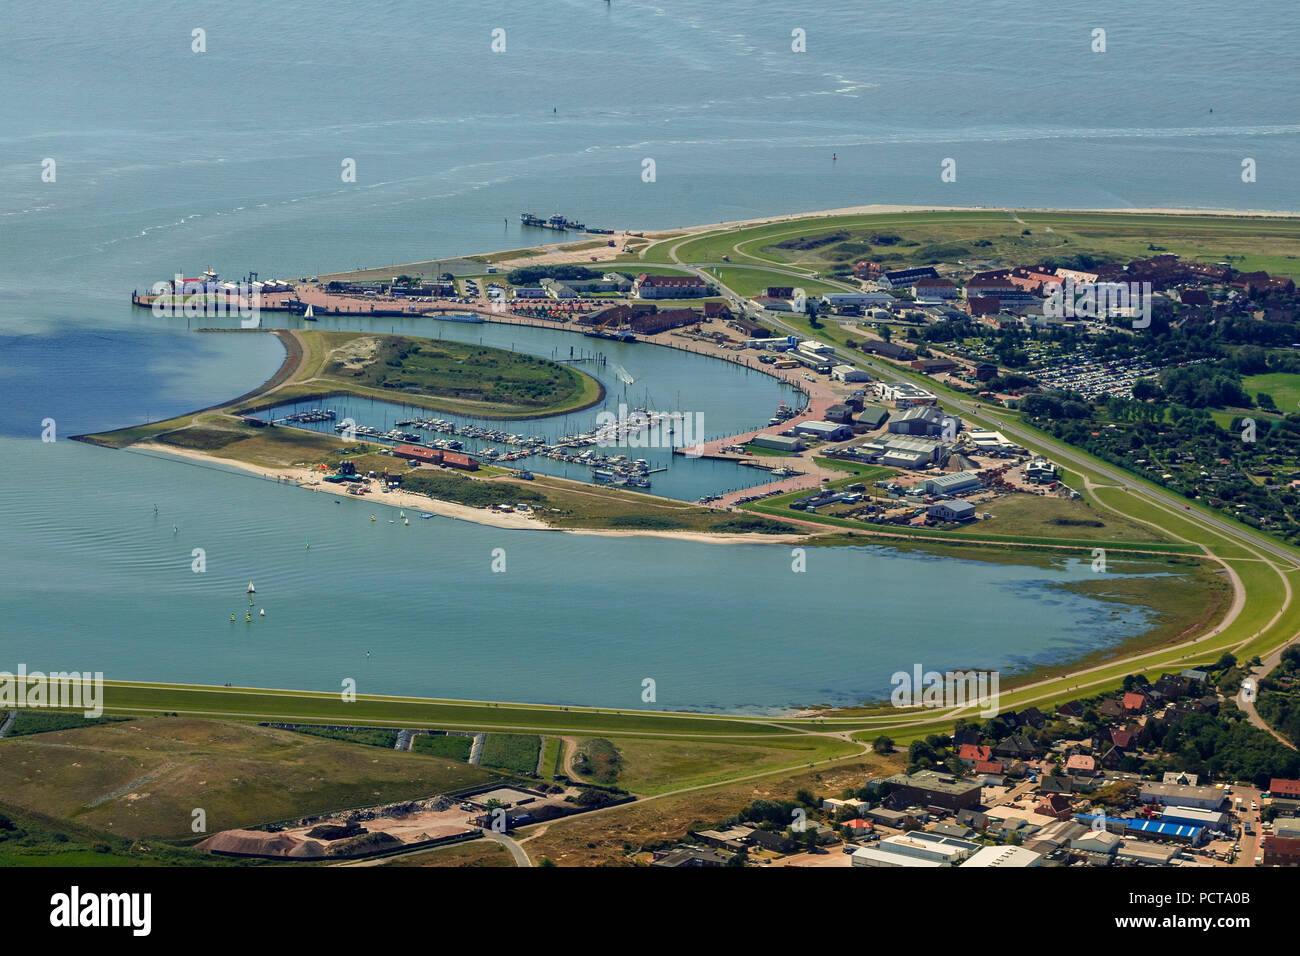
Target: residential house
1135	702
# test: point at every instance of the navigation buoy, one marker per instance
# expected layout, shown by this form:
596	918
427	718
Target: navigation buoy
232	617
248	618
175	530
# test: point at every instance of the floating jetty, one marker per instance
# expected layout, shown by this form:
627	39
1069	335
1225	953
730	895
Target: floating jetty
606	469
310	416
556	223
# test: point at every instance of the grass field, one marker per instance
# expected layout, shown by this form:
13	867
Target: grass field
45	721
371	738
447	746
1030	515
471	853
1283	386
516	752
613	839
750	282
598	761
126	697
901	240
143	778
33	839
657	766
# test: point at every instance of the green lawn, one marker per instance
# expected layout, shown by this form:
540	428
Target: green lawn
449	746
750	282
517	752
901	240
1283	386
143	778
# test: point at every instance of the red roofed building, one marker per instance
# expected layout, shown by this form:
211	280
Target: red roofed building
456	460
1280	851
1279	787
988	766
1135	701
976	287
1274	284
430	456
1035	282
1081	764
934	289
1056	805
971	754
1206	270
668	287
978	306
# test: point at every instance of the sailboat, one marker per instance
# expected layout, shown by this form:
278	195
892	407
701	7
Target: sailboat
309	315
251	589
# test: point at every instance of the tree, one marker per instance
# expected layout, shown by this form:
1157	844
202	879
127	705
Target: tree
1145	389
883	745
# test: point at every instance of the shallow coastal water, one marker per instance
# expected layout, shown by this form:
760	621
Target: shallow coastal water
94	580
231	159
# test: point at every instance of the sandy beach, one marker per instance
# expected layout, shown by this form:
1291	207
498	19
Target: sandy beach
415	504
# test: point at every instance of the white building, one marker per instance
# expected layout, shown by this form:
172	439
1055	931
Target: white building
905	394
847	373
813	347
952	510
557	290
953	483
928	846
1172	794
904	451
861	300
1006	857
990	441
826	431
869	856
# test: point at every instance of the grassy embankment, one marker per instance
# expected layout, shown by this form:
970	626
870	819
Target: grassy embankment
903	240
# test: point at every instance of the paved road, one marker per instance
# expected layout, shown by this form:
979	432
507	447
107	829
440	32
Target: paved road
521	857
1248	706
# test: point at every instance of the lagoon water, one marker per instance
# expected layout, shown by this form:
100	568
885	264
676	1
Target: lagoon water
95	580
167	159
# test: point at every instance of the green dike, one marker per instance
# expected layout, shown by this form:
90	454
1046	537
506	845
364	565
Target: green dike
293	706
652	766
1265	243
773	507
